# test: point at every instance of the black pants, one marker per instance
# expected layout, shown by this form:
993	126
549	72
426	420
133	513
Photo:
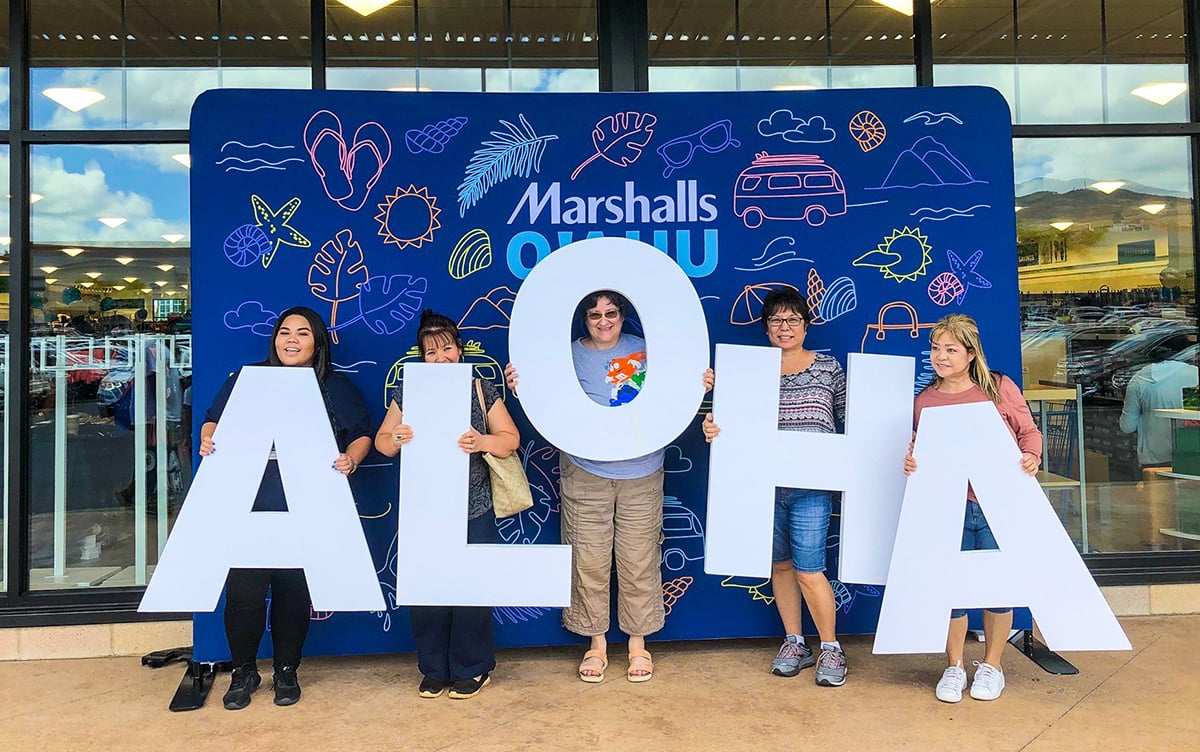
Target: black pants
457	642
246	613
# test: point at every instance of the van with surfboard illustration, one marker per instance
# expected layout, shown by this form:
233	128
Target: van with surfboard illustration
788	187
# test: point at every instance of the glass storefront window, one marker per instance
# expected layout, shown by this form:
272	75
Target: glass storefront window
1056	63
1108	305
110	343
721	45
107	64
496	45
5	244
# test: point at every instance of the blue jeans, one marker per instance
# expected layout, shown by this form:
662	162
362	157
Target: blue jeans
977	536
801	527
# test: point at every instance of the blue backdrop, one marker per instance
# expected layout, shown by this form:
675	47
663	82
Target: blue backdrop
886	208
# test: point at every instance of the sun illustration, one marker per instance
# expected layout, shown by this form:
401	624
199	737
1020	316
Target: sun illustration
902	256
408	217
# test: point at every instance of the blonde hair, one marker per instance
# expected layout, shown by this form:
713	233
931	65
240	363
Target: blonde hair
964	329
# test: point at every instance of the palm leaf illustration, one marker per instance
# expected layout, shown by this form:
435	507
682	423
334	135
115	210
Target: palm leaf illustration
620	138
516	150
337	272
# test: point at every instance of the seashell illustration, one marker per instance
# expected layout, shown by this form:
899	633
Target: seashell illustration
472	253
840	298
432	138
816	291
673	590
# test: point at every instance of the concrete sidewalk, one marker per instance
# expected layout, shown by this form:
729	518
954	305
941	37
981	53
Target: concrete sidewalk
704	696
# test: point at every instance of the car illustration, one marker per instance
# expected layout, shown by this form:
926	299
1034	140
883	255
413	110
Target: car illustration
788	187
683	535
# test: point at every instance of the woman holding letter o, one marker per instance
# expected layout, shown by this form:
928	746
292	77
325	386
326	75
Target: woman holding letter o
812	397
962	376
299	340
611	507
456	647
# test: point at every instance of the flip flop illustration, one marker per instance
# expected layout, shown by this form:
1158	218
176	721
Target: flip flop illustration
347	172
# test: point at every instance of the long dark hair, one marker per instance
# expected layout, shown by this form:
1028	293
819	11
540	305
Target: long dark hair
437	326
322	363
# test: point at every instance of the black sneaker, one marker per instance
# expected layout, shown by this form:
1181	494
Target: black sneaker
287	686
243	683
465	689
431	687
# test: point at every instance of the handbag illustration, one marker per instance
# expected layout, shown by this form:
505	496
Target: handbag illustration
903	335
510	487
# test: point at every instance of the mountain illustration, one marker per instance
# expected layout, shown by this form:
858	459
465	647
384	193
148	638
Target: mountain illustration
927	163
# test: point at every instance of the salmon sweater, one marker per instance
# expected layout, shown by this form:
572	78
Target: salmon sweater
1012	406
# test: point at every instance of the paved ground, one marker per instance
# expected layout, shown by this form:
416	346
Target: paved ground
704	696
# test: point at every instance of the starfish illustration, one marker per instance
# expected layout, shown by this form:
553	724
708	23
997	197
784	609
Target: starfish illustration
965	271
275	225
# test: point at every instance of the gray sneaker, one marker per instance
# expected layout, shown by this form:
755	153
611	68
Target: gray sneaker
831	668
793	656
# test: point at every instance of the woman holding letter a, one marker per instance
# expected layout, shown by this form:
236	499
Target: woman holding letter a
812	397
611	507
456	647
962	376
299	340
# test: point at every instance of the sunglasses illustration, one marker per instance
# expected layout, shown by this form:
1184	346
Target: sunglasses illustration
715	138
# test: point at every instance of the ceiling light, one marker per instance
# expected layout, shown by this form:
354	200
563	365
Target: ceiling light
1018	208
49	269
172	292
900	6
50	280
86	284
184	159
1061	226
1152	208
366	7
145	289
130	280
118	288
74	98
166	267
172	237
92	275
35	197
1108	186
1160	94
123	260
161	282
185	287
113	222
72	252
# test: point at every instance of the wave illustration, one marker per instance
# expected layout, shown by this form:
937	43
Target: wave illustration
933	214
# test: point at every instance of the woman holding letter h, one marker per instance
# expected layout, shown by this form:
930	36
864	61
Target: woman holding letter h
299	340
962	376
456	647
812	397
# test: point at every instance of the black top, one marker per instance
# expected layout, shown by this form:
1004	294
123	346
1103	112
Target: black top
347	415
479	495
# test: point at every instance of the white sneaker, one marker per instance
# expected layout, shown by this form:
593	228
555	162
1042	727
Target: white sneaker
988	682
954	681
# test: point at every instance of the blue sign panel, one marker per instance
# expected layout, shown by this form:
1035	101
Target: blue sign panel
886	208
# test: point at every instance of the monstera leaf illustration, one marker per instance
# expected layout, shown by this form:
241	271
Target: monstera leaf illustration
386	304
620	138
337	272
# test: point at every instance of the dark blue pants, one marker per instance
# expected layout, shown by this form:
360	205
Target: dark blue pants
457	642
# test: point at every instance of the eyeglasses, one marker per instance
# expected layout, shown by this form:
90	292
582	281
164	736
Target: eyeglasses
793	322
678	152
611	315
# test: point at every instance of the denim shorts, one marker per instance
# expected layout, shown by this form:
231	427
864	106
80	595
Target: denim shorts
977	536
801	527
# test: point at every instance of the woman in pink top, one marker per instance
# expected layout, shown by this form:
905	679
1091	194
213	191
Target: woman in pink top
961	376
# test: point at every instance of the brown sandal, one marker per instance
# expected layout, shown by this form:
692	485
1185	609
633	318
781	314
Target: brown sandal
640	660
590	659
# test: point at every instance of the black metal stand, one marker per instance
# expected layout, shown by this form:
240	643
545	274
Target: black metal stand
197	678
1043	656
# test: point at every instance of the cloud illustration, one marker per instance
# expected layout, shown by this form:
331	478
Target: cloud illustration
251	315
796	130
